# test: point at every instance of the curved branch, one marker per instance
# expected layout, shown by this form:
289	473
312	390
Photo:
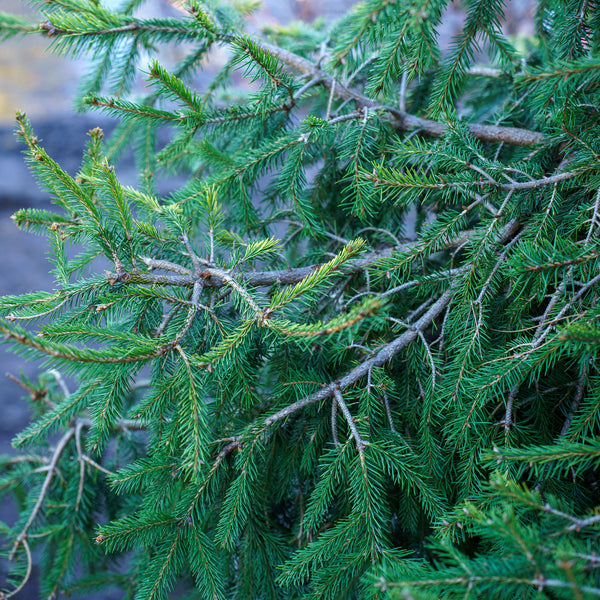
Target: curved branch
399	119
384	355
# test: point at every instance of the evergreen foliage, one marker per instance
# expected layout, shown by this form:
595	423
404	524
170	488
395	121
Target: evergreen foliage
356	355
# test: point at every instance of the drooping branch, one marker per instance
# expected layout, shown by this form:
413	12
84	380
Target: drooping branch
64	440
385	354
339	400
71	353
399	119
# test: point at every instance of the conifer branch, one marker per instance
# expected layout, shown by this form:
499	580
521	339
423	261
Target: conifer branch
60	447
75	355
388	412
398	119
212	278
78	428
360	443
334	433
538	339
134	27
469	582
27	575
238	480
576	400
383	355
229	280
97	466
408	182
195	305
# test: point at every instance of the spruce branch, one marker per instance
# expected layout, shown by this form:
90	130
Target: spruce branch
398	119
289	276
235	355
135	26
407	180
387	352
360	443
71	353
27	575
60	447
549	325
383	355
576	400
469	582
78	428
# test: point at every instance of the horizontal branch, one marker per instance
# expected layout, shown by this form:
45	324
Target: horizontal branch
482	183
470	580
263	278
486	133
400	119
134	27
75	354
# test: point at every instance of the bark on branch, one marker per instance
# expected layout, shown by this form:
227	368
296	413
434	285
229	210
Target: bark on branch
387	352
399	119
262	278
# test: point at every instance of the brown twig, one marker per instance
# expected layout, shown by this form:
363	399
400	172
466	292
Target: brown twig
257	278
384	355
399	119
62	443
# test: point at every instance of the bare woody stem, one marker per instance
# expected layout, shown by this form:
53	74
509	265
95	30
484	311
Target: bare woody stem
399	119
64	440
339	399
184	278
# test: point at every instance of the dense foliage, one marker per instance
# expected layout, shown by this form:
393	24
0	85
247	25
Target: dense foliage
356	355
